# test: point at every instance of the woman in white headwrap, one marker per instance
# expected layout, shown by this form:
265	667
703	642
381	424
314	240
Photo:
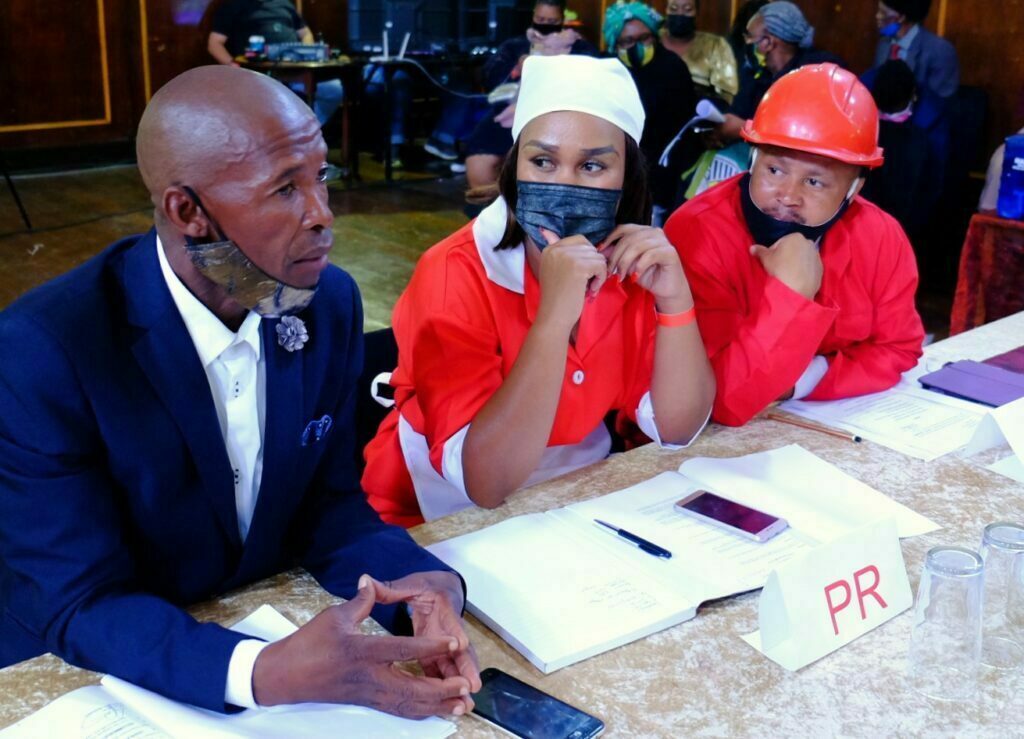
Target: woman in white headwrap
519	333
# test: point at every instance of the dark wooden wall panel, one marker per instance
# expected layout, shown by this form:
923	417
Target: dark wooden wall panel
176	35
51	72
56	67
846	28
988	37
327	17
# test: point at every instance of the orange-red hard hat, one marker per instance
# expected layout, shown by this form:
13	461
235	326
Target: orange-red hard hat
821	109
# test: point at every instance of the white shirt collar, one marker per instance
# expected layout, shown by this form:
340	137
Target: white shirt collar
211	337
909	37
504	267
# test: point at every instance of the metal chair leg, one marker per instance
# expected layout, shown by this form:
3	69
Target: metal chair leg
14	192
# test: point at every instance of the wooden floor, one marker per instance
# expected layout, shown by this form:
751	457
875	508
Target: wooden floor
379	231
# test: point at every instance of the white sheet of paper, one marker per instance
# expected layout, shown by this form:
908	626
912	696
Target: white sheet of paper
820	602
87	712
300	720
1010	467
553	594
116	709
647	509
814	496
1002	425
917	422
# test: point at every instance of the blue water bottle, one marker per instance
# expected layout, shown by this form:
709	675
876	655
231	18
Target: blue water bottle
1011	183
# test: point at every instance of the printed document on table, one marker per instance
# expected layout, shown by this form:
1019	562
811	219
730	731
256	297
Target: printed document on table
917	422
559	595
712	562
116	709
87	712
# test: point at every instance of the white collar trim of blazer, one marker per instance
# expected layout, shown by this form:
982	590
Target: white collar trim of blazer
504	267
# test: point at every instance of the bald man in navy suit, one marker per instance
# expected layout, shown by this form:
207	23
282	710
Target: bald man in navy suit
176	420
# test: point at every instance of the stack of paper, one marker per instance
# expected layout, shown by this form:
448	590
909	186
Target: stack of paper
559	588
917	422
119	710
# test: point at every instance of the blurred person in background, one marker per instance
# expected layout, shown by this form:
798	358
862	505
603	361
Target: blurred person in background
664	83
708	56
490	141
779	40
915	136
931	58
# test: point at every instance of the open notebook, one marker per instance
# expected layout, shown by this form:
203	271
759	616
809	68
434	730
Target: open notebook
559	588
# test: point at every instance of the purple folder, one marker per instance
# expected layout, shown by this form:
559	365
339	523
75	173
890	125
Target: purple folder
977	382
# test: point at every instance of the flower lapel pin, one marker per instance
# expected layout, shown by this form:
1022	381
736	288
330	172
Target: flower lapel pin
291	333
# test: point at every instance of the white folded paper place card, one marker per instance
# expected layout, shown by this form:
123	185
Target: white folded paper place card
813	605
1002	425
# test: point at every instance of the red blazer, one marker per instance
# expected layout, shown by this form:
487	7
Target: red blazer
761	335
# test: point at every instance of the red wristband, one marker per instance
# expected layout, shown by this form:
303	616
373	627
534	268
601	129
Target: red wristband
671	320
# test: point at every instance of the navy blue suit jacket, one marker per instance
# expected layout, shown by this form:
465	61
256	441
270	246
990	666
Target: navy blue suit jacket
933	60
116	495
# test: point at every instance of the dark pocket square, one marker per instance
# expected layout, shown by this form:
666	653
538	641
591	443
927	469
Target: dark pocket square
316	430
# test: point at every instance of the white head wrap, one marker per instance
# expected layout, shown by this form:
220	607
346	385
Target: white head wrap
600	87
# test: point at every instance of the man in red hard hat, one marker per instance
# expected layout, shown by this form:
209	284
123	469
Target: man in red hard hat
802	289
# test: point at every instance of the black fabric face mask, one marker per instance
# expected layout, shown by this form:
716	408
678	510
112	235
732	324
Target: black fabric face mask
767	229
681	26
545	28
752	59
565	210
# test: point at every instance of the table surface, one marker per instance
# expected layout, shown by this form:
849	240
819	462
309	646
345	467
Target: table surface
266	64
700	678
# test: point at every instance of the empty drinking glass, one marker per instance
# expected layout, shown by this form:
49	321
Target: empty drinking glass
945	644
1002	549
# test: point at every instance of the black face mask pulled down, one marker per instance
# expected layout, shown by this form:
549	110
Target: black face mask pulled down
681	26
565	210
767	229
223	263
545	28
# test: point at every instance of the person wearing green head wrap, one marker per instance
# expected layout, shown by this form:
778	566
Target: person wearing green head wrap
618	15
664	83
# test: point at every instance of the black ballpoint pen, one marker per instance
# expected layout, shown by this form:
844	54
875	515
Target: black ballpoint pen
647	546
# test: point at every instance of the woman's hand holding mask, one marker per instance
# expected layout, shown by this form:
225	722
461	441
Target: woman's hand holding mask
644	253
570	269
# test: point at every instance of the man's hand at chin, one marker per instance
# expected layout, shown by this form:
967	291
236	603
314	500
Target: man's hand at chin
330	661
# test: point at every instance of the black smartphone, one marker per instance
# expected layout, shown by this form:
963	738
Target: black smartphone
524	711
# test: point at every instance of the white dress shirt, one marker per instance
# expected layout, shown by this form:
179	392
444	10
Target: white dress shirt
235	369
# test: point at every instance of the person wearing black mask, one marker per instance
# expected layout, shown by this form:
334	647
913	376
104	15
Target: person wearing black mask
707	55
779	39
738	30
522	331
490	140
803	289
663	81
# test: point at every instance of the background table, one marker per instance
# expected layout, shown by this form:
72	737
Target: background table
991	273
700	678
